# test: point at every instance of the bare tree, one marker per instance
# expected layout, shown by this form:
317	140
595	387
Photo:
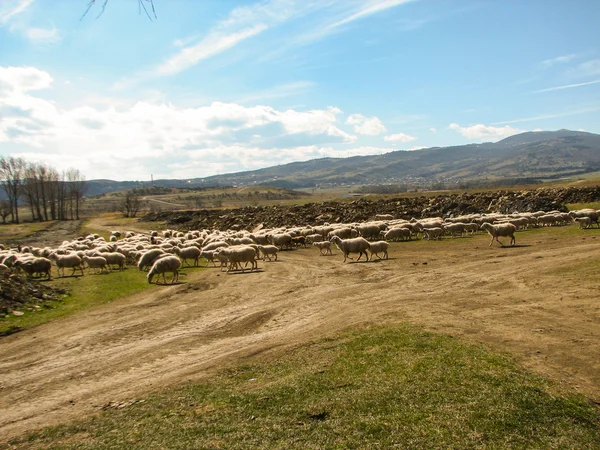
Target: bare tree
5	209
11	177
131	204
143	5
77	188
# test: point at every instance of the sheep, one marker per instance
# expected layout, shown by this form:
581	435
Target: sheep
298	241
312	238
238	255
432	233
396	234
356	245
369	230
215	245
584	222
35	266
115	258
343	233
379	247
95	262
281	240
454	228
188	253
71	261
384	217
503	229
148	258
267	251
323	245
165	265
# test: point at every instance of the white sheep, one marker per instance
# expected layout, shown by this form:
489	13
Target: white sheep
95	262
267	251
323	245
69	261
379	247
502	229
396	234
115	259
584	222
149	257
35	266
433	233
186	253
162	266
356	245
240	254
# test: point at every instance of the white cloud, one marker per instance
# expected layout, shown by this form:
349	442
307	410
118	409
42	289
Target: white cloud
43	35
550	116
589	68
433	130
559	60
108	139
483	132
10	9
365	125
400	137
568	86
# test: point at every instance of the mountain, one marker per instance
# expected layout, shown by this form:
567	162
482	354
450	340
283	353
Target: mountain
527	156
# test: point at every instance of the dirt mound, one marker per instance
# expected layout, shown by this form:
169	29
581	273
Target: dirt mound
18	293
363	209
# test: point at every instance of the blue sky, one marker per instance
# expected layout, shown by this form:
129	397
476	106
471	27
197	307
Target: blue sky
219	86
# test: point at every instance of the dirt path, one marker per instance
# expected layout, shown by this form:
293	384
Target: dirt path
53	236
535	302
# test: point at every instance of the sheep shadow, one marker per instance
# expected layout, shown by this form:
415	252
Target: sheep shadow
239	272
516	246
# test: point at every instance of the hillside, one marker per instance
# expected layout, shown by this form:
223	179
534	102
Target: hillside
527	156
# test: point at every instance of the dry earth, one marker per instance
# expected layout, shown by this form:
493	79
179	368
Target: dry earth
538	301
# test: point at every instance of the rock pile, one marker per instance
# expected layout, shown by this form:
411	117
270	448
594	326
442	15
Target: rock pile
363	209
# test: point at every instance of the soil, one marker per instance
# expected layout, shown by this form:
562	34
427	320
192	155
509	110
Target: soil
538	301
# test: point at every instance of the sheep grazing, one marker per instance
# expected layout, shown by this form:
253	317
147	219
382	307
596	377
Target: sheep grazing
69	261
186	253
502	229
162	266
267	251
324	245
379	247
356	245
96	262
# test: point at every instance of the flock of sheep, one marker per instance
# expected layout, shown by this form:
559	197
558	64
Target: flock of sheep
167	252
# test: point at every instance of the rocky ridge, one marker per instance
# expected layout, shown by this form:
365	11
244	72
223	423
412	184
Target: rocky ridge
363	209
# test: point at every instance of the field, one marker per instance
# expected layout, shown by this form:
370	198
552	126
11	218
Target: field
536	303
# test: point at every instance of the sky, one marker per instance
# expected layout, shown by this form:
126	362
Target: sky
210	87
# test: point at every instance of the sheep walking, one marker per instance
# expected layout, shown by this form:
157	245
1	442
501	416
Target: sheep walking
502	230
148	258
324	245
357	245
238	255
379	247
186	253
96	262
39	266
69	261
168	264
267	251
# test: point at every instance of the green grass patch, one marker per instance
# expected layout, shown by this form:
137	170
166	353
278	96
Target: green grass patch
12	231
574	206
84	293
375	388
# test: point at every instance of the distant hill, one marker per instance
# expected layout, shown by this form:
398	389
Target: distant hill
531	155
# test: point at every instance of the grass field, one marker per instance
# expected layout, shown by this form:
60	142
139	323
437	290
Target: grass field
395	387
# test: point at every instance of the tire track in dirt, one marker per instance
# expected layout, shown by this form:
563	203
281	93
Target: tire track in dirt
513	299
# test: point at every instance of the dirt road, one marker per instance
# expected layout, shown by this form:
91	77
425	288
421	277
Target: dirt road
538	301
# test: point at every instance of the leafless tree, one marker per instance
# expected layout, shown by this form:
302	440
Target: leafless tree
77	187
143	5
131	204
11	177
5	209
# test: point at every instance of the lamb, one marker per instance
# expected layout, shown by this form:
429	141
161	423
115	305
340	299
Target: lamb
96	262
168	264
357	245
584	222
71	261
379	247
267	251
323	245
188	253
35	266
503	229
312	238
148	258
